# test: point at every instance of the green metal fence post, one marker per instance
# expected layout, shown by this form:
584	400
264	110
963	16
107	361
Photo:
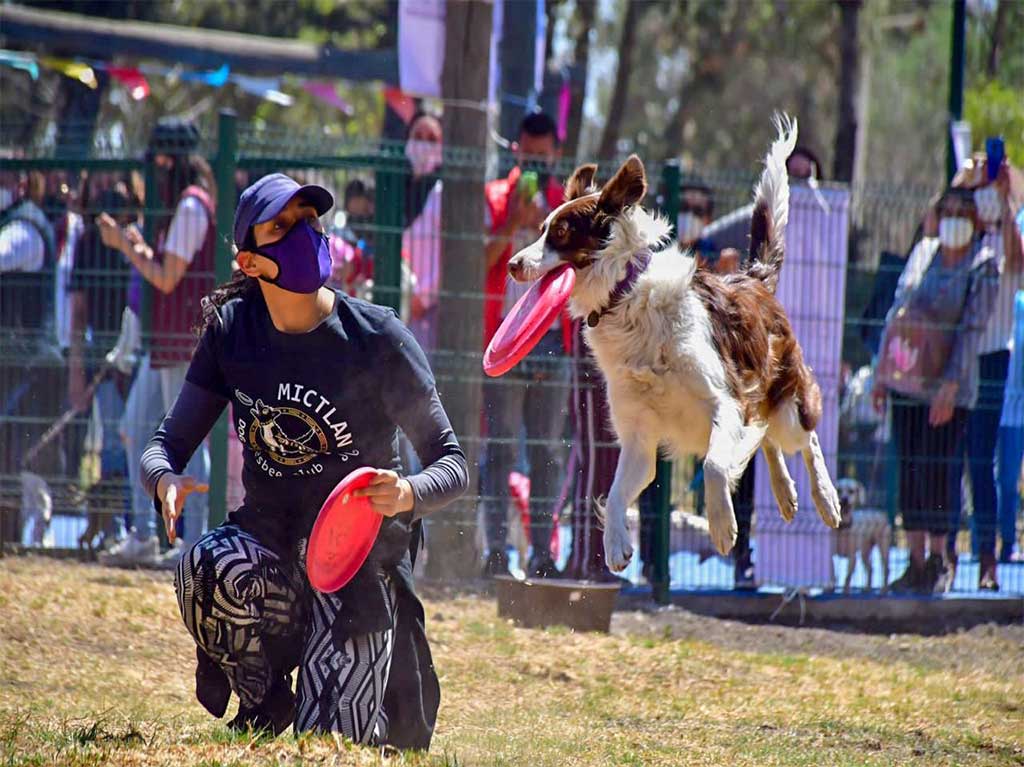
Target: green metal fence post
670	177
226	160
389	209
956	78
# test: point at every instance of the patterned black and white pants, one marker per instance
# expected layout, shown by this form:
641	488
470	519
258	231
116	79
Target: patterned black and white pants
257	617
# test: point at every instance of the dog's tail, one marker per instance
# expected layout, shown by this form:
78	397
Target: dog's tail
771	207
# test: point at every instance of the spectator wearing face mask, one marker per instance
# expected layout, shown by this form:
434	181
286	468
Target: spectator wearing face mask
928	370
421	241
696	206
999	232
31	364
179	265
532	396
98	292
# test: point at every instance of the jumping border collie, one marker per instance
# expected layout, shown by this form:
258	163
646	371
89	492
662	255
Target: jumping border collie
695	362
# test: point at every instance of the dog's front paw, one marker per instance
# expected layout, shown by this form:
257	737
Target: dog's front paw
618	550
826	500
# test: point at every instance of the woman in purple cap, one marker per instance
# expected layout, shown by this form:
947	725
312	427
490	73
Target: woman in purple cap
319	384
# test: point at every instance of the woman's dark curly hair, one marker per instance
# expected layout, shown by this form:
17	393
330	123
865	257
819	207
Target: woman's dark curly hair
239	286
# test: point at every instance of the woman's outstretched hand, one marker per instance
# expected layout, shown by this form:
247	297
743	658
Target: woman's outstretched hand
172	490
388	493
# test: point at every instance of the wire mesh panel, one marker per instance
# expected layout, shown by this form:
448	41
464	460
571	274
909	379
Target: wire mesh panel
97	335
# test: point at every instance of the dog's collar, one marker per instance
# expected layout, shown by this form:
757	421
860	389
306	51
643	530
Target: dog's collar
634	269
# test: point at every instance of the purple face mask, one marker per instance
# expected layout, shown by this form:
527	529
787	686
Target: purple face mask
303	259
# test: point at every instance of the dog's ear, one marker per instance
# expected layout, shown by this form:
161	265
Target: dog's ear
580	182
627	187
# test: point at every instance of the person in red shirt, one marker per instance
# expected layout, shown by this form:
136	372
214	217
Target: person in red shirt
532	397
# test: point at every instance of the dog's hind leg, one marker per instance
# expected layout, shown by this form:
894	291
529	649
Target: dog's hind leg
634	472
727	434
823	492
783	487
884	542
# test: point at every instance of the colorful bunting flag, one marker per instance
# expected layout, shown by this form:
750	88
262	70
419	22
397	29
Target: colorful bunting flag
15	60
217	78
76	70
265	87
327	93
401	104
132	79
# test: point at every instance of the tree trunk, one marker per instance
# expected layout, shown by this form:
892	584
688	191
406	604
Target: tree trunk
578	75
451	549
845	157
998	28
517	61
617	108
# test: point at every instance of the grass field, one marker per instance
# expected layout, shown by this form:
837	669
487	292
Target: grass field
96	669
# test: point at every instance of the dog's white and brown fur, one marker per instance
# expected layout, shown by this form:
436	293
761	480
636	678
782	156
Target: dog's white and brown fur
695	362
860	531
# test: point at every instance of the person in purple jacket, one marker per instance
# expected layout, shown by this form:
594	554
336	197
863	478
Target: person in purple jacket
319	385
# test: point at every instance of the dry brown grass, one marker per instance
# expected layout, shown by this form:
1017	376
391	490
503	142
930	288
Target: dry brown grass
96	669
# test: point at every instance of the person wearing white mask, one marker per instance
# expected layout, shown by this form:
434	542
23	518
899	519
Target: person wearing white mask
421	241
942	303
998	232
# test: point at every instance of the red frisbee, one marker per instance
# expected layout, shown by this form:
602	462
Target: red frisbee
343	534
529	320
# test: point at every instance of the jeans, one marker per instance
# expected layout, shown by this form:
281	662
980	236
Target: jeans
113	460
152	394
535	395
1011	450
982	433
196	513
142	413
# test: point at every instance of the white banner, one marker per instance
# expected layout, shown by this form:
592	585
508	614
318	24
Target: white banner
812	288
421	39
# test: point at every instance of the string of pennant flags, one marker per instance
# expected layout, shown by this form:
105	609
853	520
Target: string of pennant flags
135	80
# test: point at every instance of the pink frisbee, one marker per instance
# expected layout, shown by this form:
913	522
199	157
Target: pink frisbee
529	320
343	534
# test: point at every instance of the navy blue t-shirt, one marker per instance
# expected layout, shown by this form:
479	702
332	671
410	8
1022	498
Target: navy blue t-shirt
310	408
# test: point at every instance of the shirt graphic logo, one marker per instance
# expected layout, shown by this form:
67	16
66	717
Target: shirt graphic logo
300	428
289	436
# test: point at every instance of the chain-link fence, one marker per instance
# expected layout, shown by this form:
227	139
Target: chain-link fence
106	257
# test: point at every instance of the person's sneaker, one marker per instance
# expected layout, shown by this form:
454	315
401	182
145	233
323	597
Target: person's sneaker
541	566
743	576
131	552
936	576
273	716
987	580
212	687
496	564
910	581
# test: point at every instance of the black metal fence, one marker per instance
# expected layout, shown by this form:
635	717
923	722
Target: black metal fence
92	356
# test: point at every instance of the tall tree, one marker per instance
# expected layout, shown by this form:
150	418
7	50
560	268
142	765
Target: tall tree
617	108
583	23
844	160
996	41
452	553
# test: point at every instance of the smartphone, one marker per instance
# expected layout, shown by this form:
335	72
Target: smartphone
528	185
995	151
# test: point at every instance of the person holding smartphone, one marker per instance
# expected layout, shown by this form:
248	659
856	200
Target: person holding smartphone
319	384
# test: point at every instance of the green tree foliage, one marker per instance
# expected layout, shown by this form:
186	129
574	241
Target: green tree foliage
996	109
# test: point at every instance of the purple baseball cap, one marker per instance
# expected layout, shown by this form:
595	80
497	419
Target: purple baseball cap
267	197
